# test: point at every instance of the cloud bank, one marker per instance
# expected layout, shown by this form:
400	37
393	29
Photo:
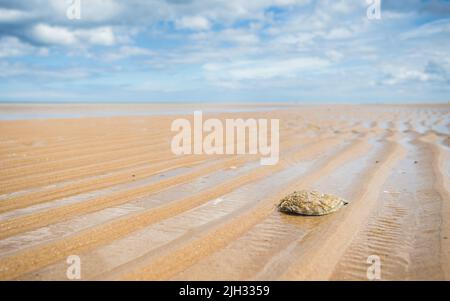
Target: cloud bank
225	50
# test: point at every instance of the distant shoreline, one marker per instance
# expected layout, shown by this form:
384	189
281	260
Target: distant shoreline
33	111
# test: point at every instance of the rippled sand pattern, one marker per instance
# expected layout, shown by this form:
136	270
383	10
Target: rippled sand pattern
109	190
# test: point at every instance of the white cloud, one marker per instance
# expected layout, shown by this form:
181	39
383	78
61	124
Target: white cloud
13	47
91	11
57	35
8	70
403	75
128	51
97	36
239	36
339	33
12	15
263	69
334	55
194	23
343	6
53	35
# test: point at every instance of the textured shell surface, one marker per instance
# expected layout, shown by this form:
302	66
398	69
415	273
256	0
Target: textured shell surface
311	203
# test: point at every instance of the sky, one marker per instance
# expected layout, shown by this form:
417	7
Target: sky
325	51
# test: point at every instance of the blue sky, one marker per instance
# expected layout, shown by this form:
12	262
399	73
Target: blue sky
308	51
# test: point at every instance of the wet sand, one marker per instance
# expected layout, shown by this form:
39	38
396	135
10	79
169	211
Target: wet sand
109	190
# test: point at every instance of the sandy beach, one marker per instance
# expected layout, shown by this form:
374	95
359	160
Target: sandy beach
107	188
